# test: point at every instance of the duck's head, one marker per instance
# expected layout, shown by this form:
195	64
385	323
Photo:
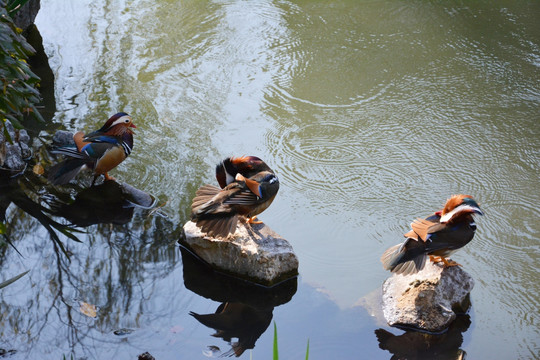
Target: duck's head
459	205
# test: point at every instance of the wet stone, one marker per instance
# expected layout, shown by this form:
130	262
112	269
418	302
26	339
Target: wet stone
63	137
24	137
254	252
137	197
13	154
13	157
26	153
428	300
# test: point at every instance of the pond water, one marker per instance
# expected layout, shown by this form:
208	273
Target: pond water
371	113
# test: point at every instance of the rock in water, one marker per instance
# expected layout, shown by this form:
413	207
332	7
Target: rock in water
14	149
63	137
255	253
427	300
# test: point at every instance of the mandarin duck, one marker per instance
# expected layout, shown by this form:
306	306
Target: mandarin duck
101	150
437	236
248	187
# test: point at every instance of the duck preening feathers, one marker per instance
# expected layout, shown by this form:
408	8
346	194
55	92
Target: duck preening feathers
247	187
436	236
100	151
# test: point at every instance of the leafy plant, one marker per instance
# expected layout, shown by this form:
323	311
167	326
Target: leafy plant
18	93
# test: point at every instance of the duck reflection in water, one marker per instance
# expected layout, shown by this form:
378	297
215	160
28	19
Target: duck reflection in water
109	202
420	345
237	320
246	309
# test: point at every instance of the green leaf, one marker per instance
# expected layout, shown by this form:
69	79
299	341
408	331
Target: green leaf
15	5
16	124
307	350
6	135
12	280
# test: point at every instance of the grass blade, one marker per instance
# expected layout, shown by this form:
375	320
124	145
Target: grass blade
276	356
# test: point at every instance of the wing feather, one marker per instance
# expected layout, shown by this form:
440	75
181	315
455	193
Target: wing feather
422	228
242	197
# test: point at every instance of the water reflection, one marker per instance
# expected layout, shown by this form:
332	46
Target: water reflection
420	345
246	309
22	192
237	320
413	100
103	273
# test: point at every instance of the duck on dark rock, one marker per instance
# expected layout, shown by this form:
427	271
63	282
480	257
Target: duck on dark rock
437	236
100	151
248	187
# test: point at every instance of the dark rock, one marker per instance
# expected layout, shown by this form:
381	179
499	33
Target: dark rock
137	197
39	64
255	253
25	16
427	300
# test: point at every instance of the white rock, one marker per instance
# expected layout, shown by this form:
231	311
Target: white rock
255	253
427	300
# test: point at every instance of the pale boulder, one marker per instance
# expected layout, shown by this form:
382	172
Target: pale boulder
254	252
428	300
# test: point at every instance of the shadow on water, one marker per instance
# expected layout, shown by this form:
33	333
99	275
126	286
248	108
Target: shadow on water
420	345
246	309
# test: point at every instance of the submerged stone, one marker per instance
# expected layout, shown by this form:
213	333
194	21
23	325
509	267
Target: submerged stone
428	300
254	252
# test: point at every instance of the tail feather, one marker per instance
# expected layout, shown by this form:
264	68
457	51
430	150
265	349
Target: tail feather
213	218
390	256
64	172
69	151
220	226
412	266
203	196
405	258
